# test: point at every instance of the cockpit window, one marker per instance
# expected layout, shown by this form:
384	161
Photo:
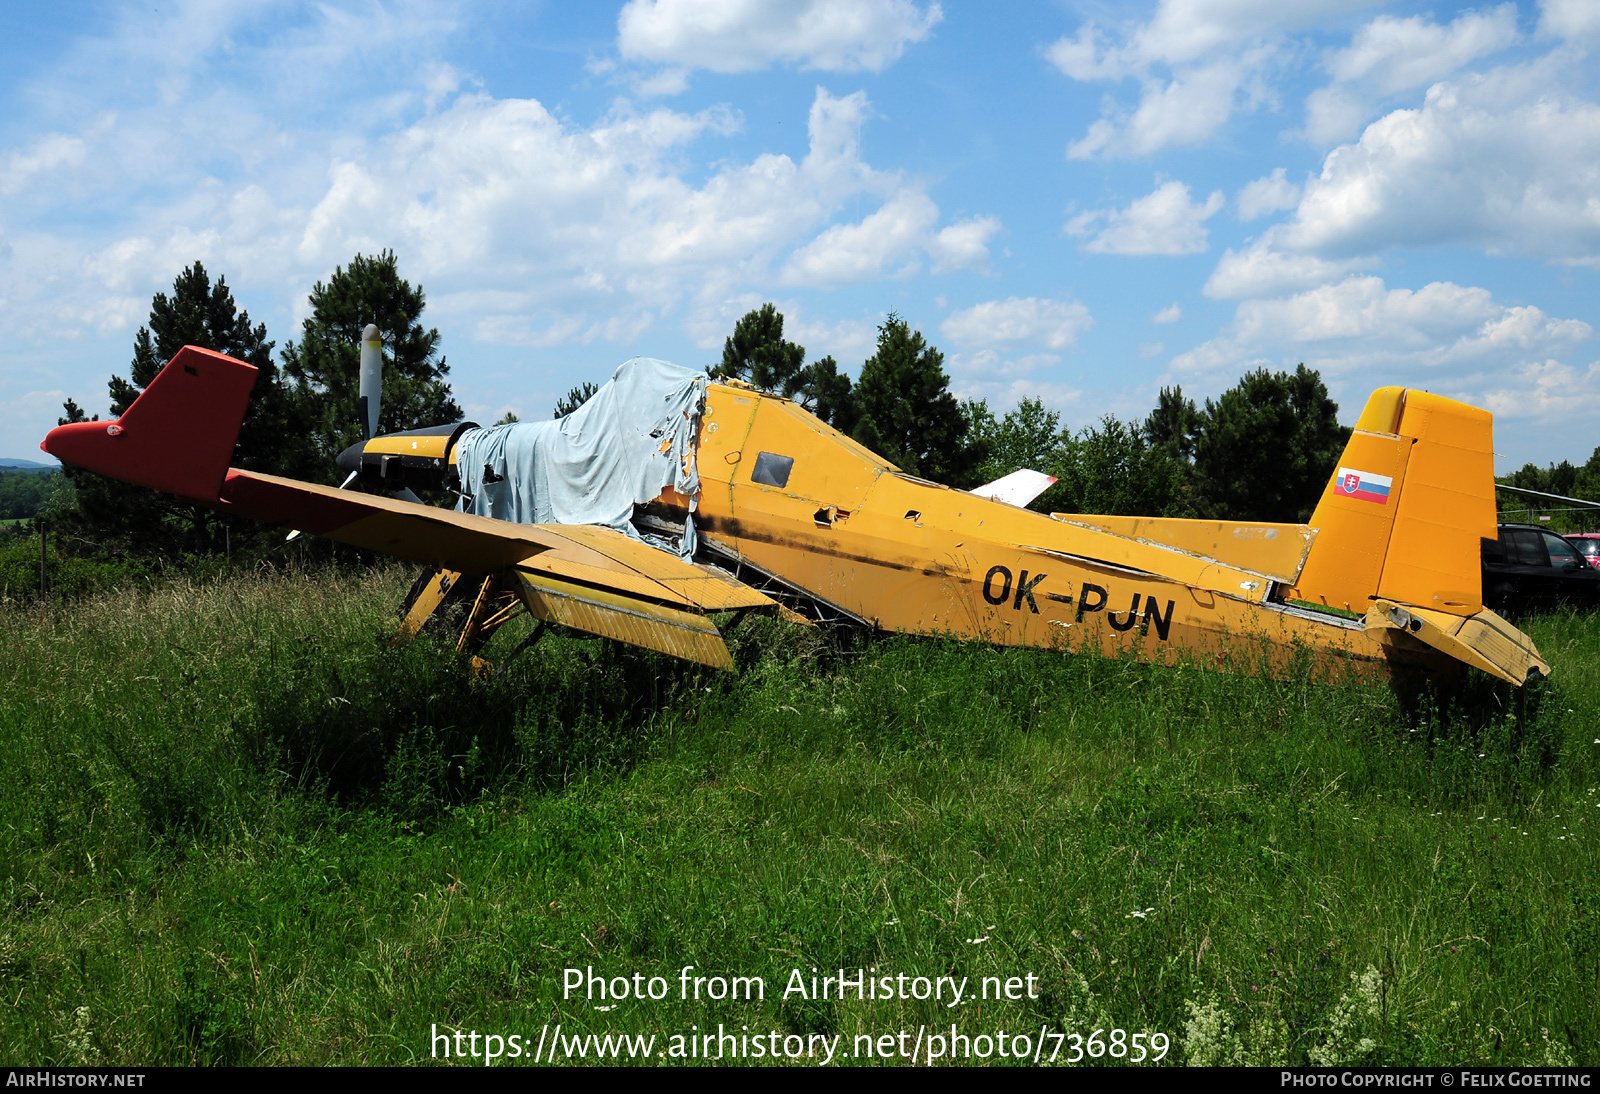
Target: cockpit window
772	469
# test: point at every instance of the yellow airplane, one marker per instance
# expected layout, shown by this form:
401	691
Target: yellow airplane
786	514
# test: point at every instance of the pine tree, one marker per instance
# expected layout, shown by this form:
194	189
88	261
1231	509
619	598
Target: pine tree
1265	449
1172	424
757	352
573	399
326	362
827	393
130	518
907	412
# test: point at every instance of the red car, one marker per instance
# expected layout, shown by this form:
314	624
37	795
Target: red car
1588	545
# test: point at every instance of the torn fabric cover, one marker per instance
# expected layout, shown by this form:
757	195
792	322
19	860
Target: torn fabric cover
631	440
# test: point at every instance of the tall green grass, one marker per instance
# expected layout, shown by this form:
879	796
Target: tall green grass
238	826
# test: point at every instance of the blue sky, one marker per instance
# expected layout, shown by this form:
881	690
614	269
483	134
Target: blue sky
1080	201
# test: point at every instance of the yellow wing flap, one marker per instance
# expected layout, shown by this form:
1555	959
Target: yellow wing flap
1484	641
1275	551
626	582
704	586
626	619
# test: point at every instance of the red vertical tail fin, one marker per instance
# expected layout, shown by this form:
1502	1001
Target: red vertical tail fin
179	433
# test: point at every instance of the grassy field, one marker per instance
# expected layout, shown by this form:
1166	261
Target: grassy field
238	827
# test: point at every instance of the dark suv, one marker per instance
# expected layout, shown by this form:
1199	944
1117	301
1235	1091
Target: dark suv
1529	568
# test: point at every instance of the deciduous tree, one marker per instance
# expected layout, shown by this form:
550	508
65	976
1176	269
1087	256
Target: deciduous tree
1265	449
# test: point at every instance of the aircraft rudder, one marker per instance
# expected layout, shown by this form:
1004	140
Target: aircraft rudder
1405	510
1435	557
178	435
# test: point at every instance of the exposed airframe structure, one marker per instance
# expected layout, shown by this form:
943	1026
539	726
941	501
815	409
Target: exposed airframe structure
793	516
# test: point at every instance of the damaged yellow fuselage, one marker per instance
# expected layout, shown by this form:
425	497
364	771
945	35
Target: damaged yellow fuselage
788	498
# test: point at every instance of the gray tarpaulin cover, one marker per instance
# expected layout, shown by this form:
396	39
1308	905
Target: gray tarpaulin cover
633	438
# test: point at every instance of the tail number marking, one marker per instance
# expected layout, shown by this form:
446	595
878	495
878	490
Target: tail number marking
1094	598
998	585
1025	587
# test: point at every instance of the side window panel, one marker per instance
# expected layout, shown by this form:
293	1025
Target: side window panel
1530	551
1561	551
772	470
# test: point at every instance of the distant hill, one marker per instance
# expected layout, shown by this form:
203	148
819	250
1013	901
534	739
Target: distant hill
28	465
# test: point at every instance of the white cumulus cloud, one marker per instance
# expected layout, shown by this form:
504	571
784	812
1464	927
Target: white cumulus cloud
964	245
1263	268
746	35
1392	54
1197	61
845	253
1267	195
1544	391
1573	19
1053	324
1395	54
1502	163
1165	222
1449	338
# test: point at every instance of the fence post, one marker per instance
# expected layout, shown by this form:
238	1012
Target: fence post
44	540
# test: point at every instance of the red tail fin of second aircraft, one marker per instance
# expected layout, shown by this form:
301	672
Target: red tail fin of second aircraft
179	433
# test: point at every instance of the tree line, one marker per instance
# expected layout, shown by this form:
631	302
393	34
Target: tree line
302	411
1263	450
1564	479
23	493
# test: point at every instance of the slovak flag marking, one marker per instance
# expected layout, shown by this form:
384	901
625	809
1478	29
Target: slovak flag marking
1362	485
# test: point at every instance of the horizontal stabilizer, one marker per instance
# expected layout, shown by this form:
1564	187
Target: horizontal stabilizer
1275	551
1484	641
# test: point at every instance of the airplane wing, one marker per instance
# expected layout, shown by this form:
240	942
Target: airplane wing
179	435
